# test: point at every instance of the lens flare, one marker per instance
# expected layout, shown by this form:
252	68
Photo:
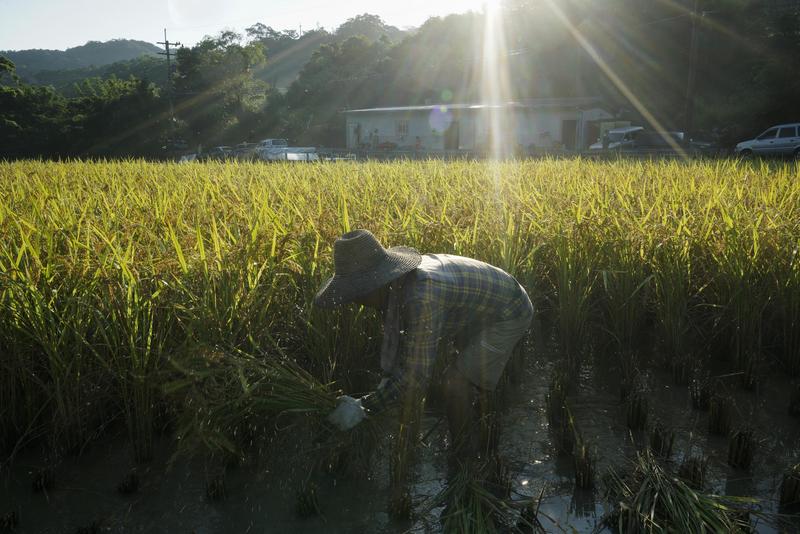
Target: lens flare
440	119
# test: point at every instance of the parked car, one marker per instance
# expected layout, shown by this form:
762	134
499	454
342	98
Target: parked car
272	143
219	153
638	140
617	138
782	140
245	152
279	150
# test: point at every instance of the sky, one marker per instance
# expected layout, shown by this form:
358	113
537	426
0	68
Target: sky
60	24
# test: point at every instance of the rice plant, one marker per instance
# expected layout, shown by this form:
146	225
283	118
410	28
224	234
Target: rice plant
469	506
741	449
794	402
672	273
231	394
701	390
558	416
574	276
215	488
52	320
741	292
43	479
787	295
652	500
402	455
9	521
637	409
566	435
625	281
790	489
307	500
129	483
584	463
134	335
720	415
95	527
661	440
692	471
130	290
528	522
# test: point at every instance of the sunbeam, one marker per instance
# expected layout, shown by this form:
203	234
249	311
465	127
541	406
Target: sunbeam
495	82
615	79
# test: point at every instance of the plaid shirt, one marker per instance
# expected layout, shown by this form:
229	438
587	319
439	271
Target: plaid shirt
445	296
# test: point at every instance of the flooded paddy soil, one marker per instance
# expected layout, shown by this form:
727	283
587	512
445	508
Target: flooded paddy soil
174	496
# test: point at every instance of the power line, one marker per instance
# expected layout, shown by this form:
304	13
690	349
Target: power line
688	114
168	53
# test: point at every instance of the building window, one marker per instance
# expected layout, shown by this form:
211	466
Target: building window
402	128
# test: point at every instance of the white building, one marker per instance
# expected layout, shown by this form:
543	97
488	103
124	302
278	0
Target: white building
536	124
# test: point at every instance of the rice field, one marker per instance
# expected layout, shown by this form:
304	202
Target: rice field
175	299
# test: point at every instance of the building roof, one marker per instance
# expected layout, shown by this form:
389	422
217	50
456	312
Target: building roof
626	129
437	106
531	103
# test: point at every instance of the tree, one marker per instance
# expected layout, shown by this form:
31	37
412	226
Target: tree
33	118
215	86
338	76
370	26
120	117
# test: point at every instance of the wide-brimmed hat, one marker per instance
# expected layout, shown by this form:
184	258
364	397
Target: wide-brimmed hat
361	266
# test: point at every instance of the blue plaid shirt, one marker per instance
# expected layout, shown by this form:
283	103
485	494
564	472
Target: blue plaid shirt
445	296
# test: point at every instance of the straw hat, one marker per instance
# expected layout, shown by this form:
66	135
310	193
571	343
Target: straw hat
362	265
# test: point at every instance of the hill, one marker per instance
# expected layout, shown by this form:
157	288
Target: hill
93	54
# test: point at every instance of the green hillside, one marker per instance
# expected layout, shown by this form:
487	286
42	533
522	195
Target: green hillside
94	53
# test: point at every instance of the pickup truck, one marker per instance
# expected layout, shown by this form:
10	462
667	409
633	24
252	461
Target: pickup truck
279	150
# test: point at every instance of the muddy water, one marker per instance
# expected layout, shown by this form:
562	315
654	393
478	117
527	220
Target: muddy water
172	497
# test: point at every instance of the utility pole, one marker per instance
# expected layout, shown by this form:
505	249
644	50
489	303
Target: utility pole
167	53
688	113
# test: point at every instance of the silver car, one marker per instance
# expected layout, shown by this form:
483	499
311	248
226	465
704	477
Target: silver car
781	141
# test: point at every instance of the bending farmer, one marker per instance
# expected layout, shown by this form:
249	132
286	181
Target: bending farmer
427	300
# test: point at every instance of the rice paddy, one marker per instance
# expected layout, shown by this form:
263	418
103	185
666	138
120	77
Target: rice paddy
173	302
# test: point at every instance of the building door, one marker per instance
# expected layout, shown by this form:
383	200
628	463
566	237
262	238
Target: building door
592	134
568	133
451	136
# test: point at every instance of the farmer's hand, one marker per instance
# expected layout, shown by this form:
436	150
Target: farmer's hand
347	414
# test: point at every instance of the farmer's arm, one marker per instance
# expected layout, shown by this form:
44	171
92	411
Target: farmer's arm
423	330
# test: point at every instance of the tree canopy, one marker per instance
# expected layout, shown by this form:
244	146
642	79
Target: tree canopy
234	87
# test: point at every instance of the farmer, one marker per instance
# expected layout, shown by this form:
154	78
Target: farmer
427	300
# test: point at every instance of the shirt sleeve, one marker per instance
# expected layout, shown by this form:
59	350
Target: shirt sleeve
423	321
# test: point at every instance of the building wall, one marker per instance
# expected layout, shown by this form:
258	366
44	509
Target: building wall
542	128
380	127
526	128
